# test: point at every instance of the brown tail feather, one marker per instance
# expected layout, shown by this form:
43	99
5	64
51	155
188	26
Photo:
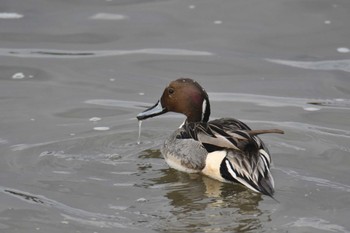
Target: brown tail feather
263	131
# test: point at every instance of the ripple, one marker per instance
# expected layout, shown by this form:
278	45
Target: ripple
317	223
68	212
52	53
319	181
343	65
118	103
279	101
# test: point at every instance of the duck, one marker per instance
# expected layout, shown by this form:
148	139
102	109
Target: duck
224	149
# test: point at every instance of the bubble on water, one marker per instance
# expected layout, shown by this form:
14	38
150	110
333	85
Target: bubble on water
18	76
311	109
101	128
142	199
8	15
94	119
108	16
343	50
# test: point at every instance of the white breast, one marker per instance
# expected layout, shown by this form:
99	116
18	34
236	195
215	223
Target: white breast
213	163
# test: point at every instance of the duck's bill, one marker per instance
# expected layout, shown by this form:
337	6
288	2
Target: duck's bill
153	111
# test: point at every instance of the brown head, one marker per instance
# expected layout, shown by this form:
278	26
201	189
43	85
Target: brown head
184	96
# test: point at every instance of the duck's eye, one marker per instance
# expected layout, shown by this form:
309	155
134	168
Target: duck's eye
171	91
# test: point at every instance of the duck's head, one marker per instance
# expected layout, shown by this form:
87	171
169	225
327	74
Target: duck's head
184	96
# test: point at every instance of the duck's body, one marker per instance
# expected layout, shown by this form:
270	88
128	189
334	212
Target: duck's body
225	149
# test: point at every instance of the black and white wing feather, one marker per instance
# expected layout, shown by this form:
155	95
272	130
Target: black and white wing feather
247	160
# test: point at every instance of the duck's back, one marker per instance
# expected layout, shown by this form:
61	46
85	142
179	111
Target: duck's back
225	149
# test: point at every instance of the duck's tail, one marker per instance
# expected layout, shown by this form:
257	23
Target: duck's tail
263	131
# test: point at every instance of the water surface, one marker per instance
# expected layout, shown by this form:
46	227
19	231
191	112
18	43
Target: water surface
74	75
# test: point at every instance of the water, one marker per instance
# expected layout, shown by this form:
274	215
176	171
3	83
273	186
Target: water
74	75
139	137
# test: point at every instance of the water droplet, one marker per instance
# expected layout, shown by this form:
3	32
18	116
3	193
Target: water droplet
139	138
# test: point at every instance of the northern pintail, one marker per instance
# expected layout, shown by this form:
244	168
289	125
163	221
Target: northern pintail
224	149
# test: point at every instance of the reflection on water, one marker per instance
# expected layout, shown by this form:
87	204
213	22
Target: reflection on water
194	197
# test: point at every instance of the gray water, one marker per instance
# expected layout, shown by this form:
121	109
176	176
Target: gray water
74	74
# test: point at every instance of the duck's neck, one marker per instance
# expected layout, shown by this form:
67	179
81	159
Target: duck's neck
201	114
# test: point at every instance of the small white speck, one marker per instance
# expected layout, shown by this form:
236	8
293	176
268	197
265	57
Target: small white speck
343	50
306	195
191	6
217	22
32	119
101	128
30	76
112	79
38	228
7	15
141	199
311	109
61	172
327	22
18	76
108	16
72	134
94	119
339	99
64	222
141	93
